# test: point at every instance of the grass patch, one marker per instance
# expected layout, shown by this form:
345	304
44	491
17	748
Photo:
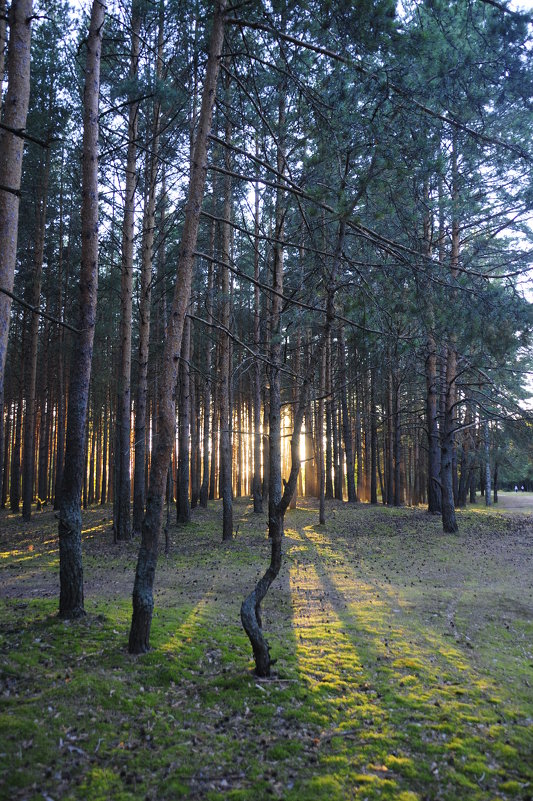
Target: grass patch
404	663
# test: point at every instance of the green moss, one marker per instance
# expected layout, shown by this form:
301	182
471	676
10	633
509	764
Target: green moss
373	696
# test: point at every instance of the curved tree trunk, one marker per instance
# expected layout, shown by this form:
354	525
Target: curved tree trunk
70	557
143	603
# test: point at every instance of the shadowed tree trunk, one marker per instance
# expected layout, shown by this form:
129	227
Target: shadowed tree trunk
11	150
434	487
183	509
122	521
139	475
449	522
204	489
70	557
488	481
143	603
373	440
346	423
225	350
29	417
256	482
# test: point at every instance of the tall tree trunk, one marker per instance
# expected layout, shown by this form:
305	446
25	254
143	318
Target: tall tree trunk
183	508
5	474
139	639
449	522
488	482
45	427
329	425
225	383
11	150
70	556
14	491
29	418
60	419
373	441
320	435
122	521
390	437
434	487
147	244
256	483
204	489
346	423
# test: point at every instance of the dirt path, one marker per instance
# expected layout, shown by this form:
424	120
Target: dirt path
516	502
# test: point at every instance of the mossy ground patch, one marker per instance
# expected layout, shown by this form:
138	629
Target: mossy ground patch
404	663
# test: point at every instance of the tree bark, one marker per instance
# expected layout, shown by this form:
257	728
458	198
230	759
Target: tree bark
122	521
147	244
434	487
373	441
204	489
256	483
29	417
225	362
70	556
11	151
346	423
488	481
183	509
143	603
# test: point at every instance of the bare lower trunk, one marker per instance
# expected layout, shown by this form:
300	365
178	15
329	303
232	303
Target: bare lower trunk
488	478
139	639
449	522
434	488
346	424
183	509
373	442
70	556
320	435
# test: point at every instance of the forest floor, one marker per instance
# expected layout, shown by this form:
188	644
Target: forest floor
404	662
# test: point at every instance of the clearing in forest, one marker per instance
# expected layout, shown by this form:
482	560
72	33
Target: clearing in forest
404	662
